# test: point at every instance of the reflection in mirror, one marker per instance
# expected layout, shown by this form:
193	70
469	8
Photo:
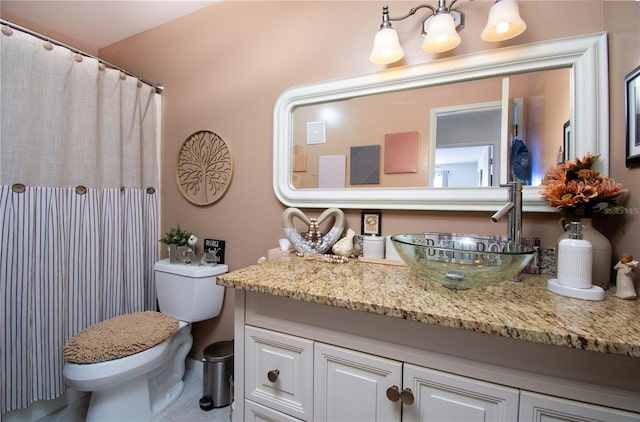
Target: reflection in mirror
464	166
373	141
464	114
467	138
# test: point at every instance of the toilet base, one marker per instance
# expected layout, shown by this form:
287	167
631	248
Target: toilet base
145	396
136	404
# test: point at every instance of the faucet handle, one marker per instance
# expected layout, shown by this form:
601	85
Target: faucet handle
514	185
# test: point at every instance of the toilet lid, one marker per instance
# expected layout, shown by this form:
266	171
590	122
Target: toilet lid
119	337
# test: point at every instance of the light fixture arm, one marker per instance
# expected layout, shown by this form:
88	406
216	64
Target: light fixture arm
412	11
442	8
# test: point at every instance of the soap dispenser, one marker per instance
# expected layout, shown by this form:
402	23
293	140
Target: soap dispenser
575	259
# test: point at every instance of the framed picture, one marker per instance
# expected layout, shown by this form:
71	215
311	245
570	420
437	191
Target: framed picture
566	144
632	97
371	223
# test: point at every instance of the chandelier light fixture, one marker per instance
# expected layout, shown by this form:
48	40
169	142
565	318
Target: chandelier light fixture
441	27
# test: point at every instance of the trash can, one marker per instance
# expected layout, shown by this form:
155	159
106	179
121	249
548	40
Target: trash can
217	377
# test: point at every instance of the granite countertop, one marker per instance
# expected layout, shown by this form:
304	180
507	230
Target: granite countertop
523	310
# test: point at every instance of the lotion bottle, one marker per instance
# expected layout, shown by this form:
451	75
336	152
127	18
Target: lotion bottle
575	259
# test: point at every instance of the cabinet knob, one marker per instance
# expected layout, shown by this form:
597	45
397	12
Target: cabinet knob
273	375
393	393
406	396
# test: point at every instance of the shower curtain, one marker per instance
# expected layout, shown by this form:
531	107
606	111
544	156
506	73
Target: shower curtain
78	206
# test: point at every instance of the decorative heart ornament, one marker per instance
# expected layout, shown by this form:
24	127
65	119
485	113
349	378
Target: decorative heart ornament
313	242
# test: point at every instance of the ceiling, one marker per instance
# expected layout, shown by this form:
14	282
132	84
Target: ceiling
100	23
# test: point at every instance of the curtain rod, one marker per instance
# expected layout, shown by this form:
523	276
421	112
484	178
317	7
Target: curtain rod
157	86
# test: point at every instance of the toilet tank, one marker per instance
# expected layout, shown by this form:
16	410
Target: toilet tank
189	292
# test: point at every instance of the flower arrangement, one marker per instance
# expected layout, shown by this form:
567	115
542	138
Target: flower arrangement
578	190
176	236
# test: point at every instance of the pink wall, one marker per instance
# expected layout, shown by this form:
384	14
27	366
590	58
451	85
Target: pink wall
224	67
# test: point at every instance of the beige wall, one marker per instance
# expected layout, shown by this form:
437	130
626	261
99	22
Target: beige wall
224	67
543	120
47	31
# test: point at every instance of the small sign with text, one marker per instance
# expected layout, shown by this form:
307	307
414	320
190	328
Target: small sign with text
215	247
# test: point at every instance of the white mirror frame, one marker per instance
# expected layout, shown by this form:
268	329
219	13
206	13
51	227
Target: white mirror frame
586	56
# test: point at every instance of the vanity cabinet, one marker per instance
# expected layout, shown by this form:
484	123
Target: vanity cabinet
303	361
346	385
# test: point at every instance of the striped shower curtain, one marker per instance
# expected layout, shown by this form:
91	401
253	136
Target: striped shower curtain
78	206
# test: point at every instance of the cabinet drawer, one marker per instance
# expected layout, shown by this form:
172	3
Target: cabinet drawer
540	407
254	412
279	371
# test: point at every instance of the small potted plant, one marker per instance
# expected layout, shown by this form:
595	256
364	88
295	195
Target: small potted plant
174	238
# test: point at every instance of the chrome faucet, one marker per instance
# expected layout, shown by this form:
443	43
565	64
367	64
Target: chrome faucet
514	209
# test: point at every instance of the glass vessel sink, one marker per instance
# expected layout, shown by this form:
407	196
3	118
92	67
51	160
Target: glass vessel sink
461	261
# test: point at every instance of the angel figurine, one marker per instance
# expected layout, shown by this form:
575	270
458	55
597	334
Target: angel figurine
625	277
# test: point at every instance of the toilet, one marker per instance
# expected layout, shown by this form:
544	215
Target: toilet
142	385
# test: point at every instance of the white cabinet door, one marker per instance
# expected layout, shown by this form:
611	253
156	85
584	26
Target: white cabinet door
279	371
440	396
351	386
541	408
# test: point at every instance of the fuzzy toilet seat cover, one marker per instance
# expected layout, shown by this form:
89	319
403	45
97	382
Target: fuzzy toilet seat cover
119	337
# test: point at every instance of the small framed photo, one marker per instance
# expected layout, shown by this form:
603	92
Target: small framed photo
632	97
371	223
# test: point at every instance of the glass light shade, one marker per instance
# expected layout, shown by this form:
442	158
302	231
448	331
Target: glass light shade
441	34
386	47
504	22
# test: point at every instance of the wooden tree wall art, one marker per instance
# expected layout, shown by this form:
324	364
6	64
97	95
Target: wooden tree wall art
204	168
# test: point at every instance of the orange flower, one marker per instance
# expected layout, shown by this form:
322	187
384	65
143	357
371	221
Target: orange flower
578	190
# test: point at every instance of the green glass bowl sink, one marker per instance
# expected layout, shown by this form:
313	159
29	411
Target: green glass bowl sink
460	261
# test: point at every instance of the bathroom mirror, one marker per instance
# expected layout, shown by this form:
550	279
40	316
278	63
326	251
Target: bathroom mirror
583	59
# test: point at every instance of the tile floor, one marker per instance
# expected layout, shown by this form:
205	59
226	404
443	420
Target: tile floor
186	409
